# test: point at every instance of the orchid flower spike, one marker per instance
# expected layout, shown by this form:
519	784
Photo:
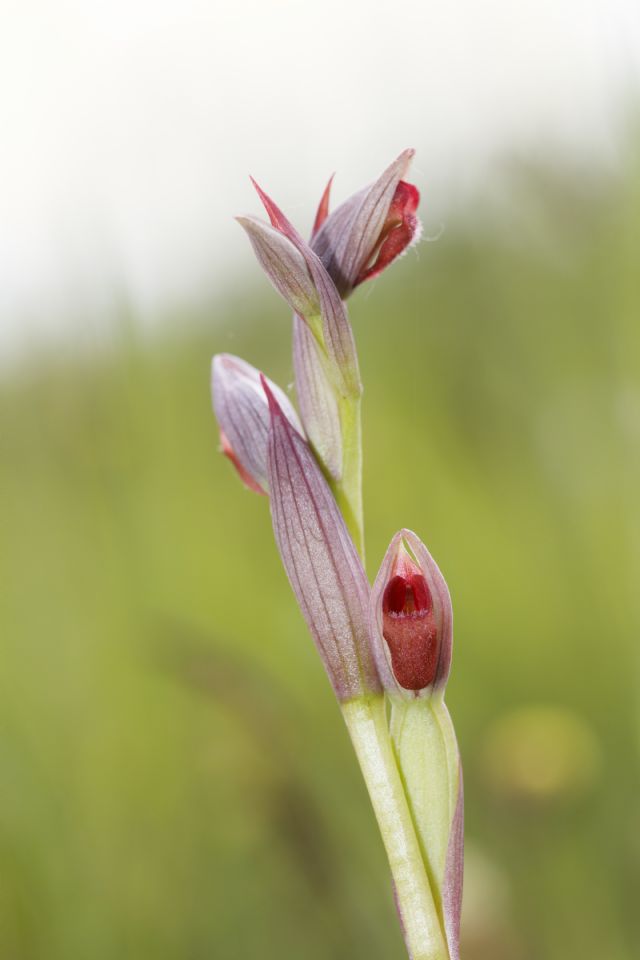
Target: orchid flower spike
386	650
369	230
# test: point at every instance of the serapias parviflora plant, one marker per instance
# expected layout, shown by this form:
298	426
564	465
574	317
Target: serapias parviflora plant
386	649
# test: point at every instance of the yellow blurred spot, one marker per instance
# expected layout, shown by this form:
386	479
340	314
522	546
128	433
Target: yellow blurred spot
541	752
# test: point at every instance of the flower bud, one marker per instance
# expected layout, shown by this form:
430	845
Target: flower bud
284	265
241	407
298	273
411	614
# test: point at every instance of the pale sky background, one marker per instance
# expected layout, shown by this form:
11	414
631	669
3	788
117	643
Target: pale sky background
128	127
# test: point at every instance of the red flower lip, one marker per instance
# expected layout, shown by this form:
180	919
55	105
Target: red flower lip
411	619
401	229
409	627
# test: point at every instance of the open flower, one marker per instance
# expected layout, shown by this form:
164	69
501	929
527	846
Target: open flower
411	619
369	230
409	626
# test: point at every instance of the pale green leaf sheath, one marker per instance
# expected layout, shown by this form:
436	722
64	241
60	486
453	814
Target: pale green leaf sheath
427	753
421	920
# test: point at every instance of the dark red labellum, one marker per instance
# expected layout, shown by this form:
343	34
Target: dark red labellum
399	230
409	627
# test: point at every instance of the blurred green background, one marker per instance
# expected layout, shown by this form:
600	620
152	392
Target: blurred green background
175	778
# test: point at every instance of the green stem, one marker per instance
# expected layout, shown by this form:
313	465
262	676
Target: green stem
348	491
367	724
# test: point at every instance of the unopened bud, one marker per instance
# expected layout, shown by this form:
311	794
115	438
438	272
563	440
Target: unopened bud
299	275
241	407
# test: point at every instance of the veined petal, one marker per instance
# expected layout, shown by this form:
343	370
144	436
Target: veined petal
277	217
337	334
411	620
379	219
316	398
320	559
242	411
284	265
